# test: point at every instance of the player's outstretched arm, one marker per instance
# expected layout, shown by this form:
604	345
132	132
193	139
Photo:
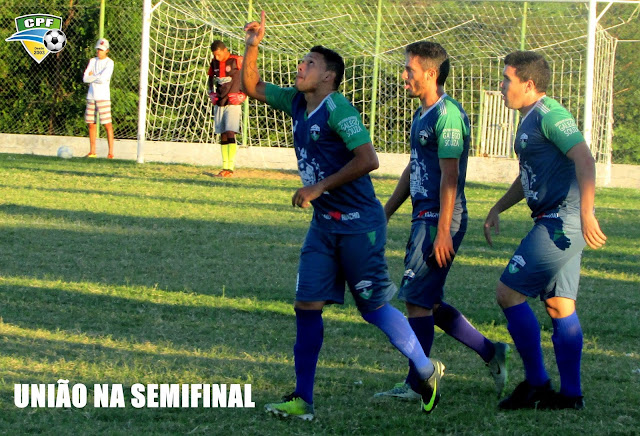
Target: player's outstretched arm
400	194
250	77
513	196
586	175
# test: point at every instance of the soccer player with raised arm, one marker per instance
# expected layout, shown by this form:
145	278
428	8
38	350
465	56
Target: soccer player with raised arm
435	179
557	179
347	235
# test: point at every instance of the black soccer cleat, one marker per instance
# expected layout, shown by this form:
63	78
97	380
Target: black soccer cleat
526	396
560	401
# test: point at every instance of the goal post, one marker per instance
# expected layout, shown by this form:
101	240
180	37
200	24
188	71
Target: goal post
371	36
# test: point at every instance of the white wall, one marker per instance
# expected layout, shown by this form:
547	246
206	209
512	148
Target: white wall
480	169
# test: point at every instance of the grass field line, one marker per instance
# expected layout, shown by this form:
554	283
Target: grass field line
109	345
177	298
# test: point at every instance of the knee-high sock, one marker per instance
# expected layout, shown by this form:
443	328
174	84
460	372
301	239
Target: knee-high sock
393	323
453	323
232	148
567	343
224	147
525	331
422	326
310	333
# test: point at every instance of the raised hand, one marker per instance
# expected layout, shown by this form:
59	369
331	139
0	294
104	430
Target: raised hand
254	31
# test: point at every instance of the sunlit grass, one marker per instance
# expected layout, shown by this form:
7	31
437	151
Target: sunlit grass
112	272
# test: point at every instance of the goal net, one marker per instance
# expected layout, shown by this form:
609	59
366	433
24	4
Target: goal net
477	35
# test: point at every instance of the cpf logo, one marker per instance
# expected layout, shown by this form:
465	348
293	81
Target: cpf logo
40	35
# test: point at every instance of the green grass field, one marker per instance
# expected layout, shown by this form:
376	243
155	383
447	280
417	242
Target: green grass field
113	272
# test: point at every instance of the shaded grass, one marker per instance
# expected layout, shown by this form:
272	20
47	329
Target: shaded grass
112	272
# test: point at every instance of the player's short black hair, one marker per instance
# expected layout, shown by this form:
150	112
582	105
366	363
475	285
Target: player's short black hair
432	55
334	62
532	66
217	45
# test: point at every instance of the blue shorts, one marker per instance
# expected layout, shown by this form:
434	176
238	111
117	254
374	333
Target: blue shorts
547	262
423	281
327	260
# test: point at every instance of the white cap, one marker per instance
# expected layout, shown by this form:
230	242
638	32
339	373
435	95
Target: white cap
102	44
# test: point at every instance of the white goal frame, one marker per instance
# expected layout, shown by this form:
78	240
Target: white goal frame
602	156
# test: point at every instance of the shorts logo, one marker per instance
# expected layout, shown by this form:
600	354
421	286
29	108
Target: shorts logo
408	276
517	262
423	136
40	35
557	234
364	289
524	139
314	131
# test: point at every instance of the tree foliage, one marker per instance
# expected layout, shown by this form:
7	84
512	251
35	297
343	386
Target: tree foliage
49	98
626	108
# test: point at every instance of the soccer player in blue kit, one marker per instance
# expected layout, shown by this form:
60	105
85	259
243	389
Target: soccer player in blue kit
557	179
346	238
435	179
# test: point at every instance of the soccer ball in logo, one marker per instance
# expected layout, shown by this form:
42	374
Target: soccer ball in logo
54	40
65	152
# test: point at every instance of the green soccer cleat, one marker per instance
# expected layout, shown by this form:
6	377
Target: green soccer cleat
402	391
430	388
291	406
499	367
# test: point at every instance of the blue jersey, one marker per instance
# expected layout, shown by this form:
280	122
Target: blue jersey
443	131
323	141
548	176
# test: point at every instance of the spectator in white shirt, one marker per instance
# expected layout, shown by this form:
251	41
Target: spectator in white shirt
98	76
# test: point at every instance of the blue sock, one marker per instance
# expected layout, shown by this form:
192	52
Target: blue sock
423	328
393	323
310	332
525	331
567	343
453	323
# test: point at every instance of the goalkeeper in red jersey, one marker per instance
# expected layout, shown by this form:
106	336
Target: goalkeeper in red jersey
225	94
